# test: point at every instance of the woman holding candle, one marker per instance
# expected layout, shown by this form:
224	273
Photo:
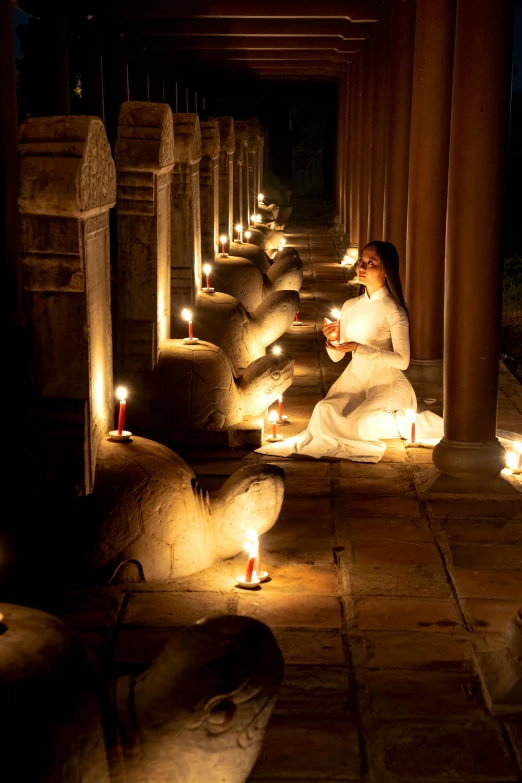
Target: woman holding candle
368	403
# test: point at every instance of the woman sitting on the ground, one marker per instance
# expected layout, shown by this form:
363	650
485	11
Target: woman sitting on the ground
367	403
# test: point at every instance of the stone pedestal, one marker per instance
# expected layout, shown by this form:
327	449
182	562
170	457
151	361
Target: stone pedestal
186	219
144	159
226	175
67	186
240	190
209	190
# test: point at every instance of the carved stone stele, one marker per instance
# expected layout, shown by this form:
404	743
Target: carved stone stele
209	189
226	175
144	159
67	186
254	133
198	713
241	213
186	216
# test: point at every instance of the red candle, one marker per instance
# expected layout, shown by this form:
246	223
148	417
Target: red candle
250	565
191	333
281	409
247	234
297	317
223	240
274	429
413	431
208	280
121	417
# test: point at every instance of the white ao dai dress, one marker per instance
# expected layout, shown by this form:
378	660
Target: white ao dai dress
366	405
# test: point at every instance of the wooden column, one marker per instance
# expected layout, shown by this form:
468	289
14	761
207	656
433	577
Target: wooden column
398	135
241	136
366	148
341	152
379	113
428	186
478	141
355	163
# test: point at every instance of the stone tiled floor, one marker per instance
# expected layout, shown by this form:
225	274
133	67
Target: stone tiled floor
378	600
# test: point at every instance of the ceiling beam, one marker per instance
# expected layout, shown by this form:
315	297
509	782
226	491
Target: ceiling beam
210	42
352	10
239	55
340	29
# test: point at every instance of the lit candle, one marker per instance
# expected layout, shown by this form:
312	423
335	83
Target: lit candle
248	234
273	419
411	417
187	315
337	315
252	537
250	569
281	408
223	238
207	269
297	317
518	449
282	243
121	394
276	350
239	229
256	218
512	460
347	261
352	253
260	198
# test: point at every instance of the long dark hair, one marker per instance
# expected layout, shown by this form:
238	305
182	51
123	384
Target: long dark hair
390	261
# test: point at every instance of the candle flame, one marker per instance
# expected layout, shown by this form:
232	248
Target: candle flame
346	261
273	416
353	252
283	241
277	350
239	227
186	314
249	547
223	238
336	314
207	268
248	234
121	393
260	197
512	460
252	535
410	415
281	398
518	446
256	218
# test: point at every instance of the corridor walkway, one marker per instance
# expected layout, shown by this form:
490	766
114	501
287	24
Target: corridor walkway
379	601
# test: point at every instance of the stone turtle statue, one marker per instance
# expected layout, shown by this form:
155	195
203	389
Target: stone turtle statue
198	713
244	336
195	387
244	279
156	522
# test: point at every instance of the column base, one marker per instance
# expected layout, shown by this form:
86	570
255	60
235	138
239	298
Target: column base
469	460
425	375
435	484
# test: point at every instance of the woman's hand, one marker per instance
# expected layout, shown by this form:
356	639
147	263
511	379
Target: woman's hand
329	329
343	347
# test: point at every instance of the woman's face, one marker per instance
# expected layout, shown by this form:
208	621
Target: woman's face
370	269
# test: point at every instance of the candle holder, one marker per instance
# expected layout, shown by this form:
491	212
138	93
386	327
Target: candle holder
283	420
410	445
430	400
190	340
297	323
241	582
123	438
274	438
208	290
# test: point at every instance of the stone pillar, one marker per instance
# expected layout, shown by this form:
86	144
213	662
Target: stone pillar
254	132
186	217
67	186
355	149
260	161
144	159
402	39
209	190
227	145
379	114
478	141
240	192
367	52
428	184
